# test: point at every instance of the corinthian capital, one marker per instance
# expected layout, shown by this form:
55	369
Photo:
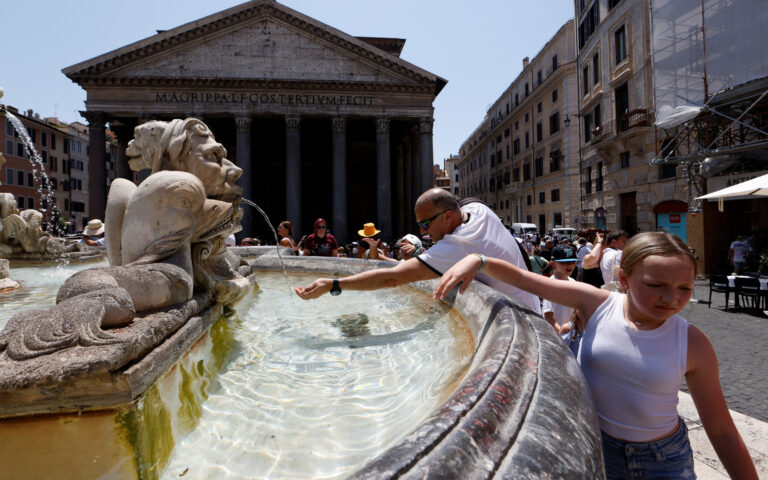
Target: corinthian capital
382	125
425	125
292	122
338	124
243	123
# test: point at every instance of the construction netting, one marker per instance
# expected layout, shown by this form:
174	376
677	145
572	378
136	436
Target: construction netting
701	47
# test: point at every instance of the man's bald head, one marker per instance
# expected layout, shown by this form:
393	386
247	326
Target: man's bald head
439	199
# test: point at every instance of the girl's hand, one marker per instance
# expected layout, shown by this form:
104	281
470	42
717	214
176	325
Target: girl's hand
463	272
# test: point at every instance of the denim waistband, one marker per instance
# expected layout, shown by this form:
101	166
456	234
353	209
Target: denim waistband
676	439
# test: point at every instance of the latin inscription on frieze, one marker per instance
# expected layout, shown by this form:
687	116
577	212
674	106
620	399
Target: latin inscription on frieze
263	98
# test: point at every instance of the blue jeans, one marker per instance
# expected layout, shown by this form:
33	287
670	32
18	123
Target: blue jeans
668	458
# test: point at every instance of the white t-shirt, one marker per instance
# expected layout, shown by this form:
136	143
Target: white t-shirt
482	233
582	251
561	312
634	375
611	257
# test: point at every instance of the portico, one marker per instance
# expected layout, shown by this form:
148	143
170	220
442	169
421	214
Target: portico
323	124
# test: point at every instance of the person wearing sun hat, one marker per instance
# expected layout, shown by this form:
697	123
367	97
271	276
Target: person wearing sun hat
93	234
370	242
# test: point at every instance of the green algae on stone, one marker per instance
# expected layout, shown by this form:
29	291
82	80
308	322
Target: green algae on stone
146	427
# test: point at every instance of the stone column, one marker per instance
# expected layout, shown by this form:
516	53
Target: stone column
339	141
243	161
415	169
124	135
400	194
425	154
97	168
293	172
383	179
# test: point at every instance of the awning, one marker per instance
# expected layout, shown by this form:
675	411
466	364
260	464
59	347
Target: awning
757	187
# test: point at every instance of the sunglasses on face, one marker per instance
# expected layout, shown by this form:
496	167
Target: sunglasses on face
425	224
322	226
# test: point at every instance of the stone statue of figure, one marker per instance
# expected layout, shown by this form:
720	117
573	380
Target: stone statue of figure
22	232
164	240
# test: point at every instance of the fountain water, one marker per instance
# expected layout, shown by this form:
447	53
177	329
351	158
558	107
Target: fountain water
38	172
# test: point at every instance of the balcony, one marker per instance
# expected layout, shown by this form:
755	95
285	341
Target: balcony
512	187
635	118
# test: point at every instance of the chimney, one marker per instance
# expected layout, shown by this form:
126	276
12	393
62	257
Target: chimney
526	60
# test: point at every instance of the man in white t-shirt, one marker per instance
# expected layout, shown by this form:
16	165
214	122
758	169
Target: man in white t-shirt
457	232
609	265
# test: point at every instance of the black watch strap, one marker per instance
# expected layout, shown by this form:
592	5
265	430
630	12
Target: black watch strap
335	288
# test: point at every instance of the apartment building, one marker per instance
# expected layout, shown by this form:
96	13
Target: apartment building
523	159
621	189
77	161
452	172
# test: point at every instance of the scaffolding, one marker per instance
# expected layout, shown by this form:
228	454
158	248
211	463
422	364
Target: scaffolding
710	72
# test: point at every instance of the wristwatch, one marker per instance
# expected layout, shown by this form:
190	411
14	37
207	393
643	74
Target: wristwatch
335	289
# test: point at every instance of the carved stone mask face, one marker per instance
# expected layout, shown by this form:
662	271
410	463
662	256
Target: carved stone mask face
207	161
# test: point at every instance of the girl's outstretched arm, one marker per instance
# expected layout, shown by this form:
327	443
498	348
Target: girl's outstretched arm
578	295
703	381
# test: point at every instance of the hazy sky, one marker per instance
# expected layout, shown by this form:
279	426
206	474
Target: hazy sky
477	46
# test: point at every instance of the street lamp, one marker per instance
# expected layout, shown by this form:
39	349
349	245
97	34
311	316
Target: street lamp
567	120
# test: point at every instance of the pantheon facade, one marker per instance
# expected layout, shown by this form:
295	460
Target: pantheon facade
323	124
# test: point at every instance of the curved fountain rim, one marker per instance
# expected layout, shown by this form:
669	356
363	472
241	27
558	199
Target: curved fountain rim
513	413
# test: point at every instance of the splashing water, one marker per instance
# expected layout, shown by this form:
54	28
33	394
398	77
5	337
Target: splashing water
277	240
38	171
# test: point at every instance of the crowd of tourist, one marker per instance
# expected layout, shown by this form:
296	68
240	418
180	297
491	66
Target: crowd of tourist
614	300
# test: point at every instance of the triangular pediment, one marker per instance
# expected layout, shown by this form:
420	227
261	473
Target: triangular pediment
261	40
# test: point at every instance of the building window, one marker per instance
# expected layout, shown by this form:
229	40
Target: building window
20	203
621	45
66	204
53	141
527	140
554	95
525	117
20	177
667	170
539	132
528	200
54	163
538	107
558	219
624	158
9	147
516	146
554	160
9	174
526	171
596	69
588	181
585	79
516	174
599	180
517	100
539	166
555	194
32	134
526	90
54	184
538	78
554	62
20	150
43	139
30	202
507	149
8	128
517	125
44	156
30	179
589	24
554	123
506	132
587	127
542	197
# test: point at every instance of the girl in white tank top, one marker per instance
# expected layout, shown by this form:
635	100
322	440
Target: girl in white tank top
635	353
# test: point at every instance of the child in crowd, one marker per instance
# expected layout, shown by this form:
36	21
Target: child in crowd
563	263
634	353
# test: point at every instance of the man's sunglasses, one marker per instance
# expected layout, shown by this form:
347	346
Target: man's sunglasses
322	226
425	224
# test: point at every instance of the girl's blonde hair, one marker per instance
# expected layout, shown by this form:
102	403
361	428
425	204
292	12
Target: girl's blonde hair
653	243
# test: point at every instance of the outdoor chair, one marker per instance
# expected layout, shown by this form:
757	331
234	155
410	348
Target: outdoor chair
748	290
719	283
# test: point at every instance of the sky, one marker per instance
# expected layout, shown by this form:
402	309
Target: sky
477	46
